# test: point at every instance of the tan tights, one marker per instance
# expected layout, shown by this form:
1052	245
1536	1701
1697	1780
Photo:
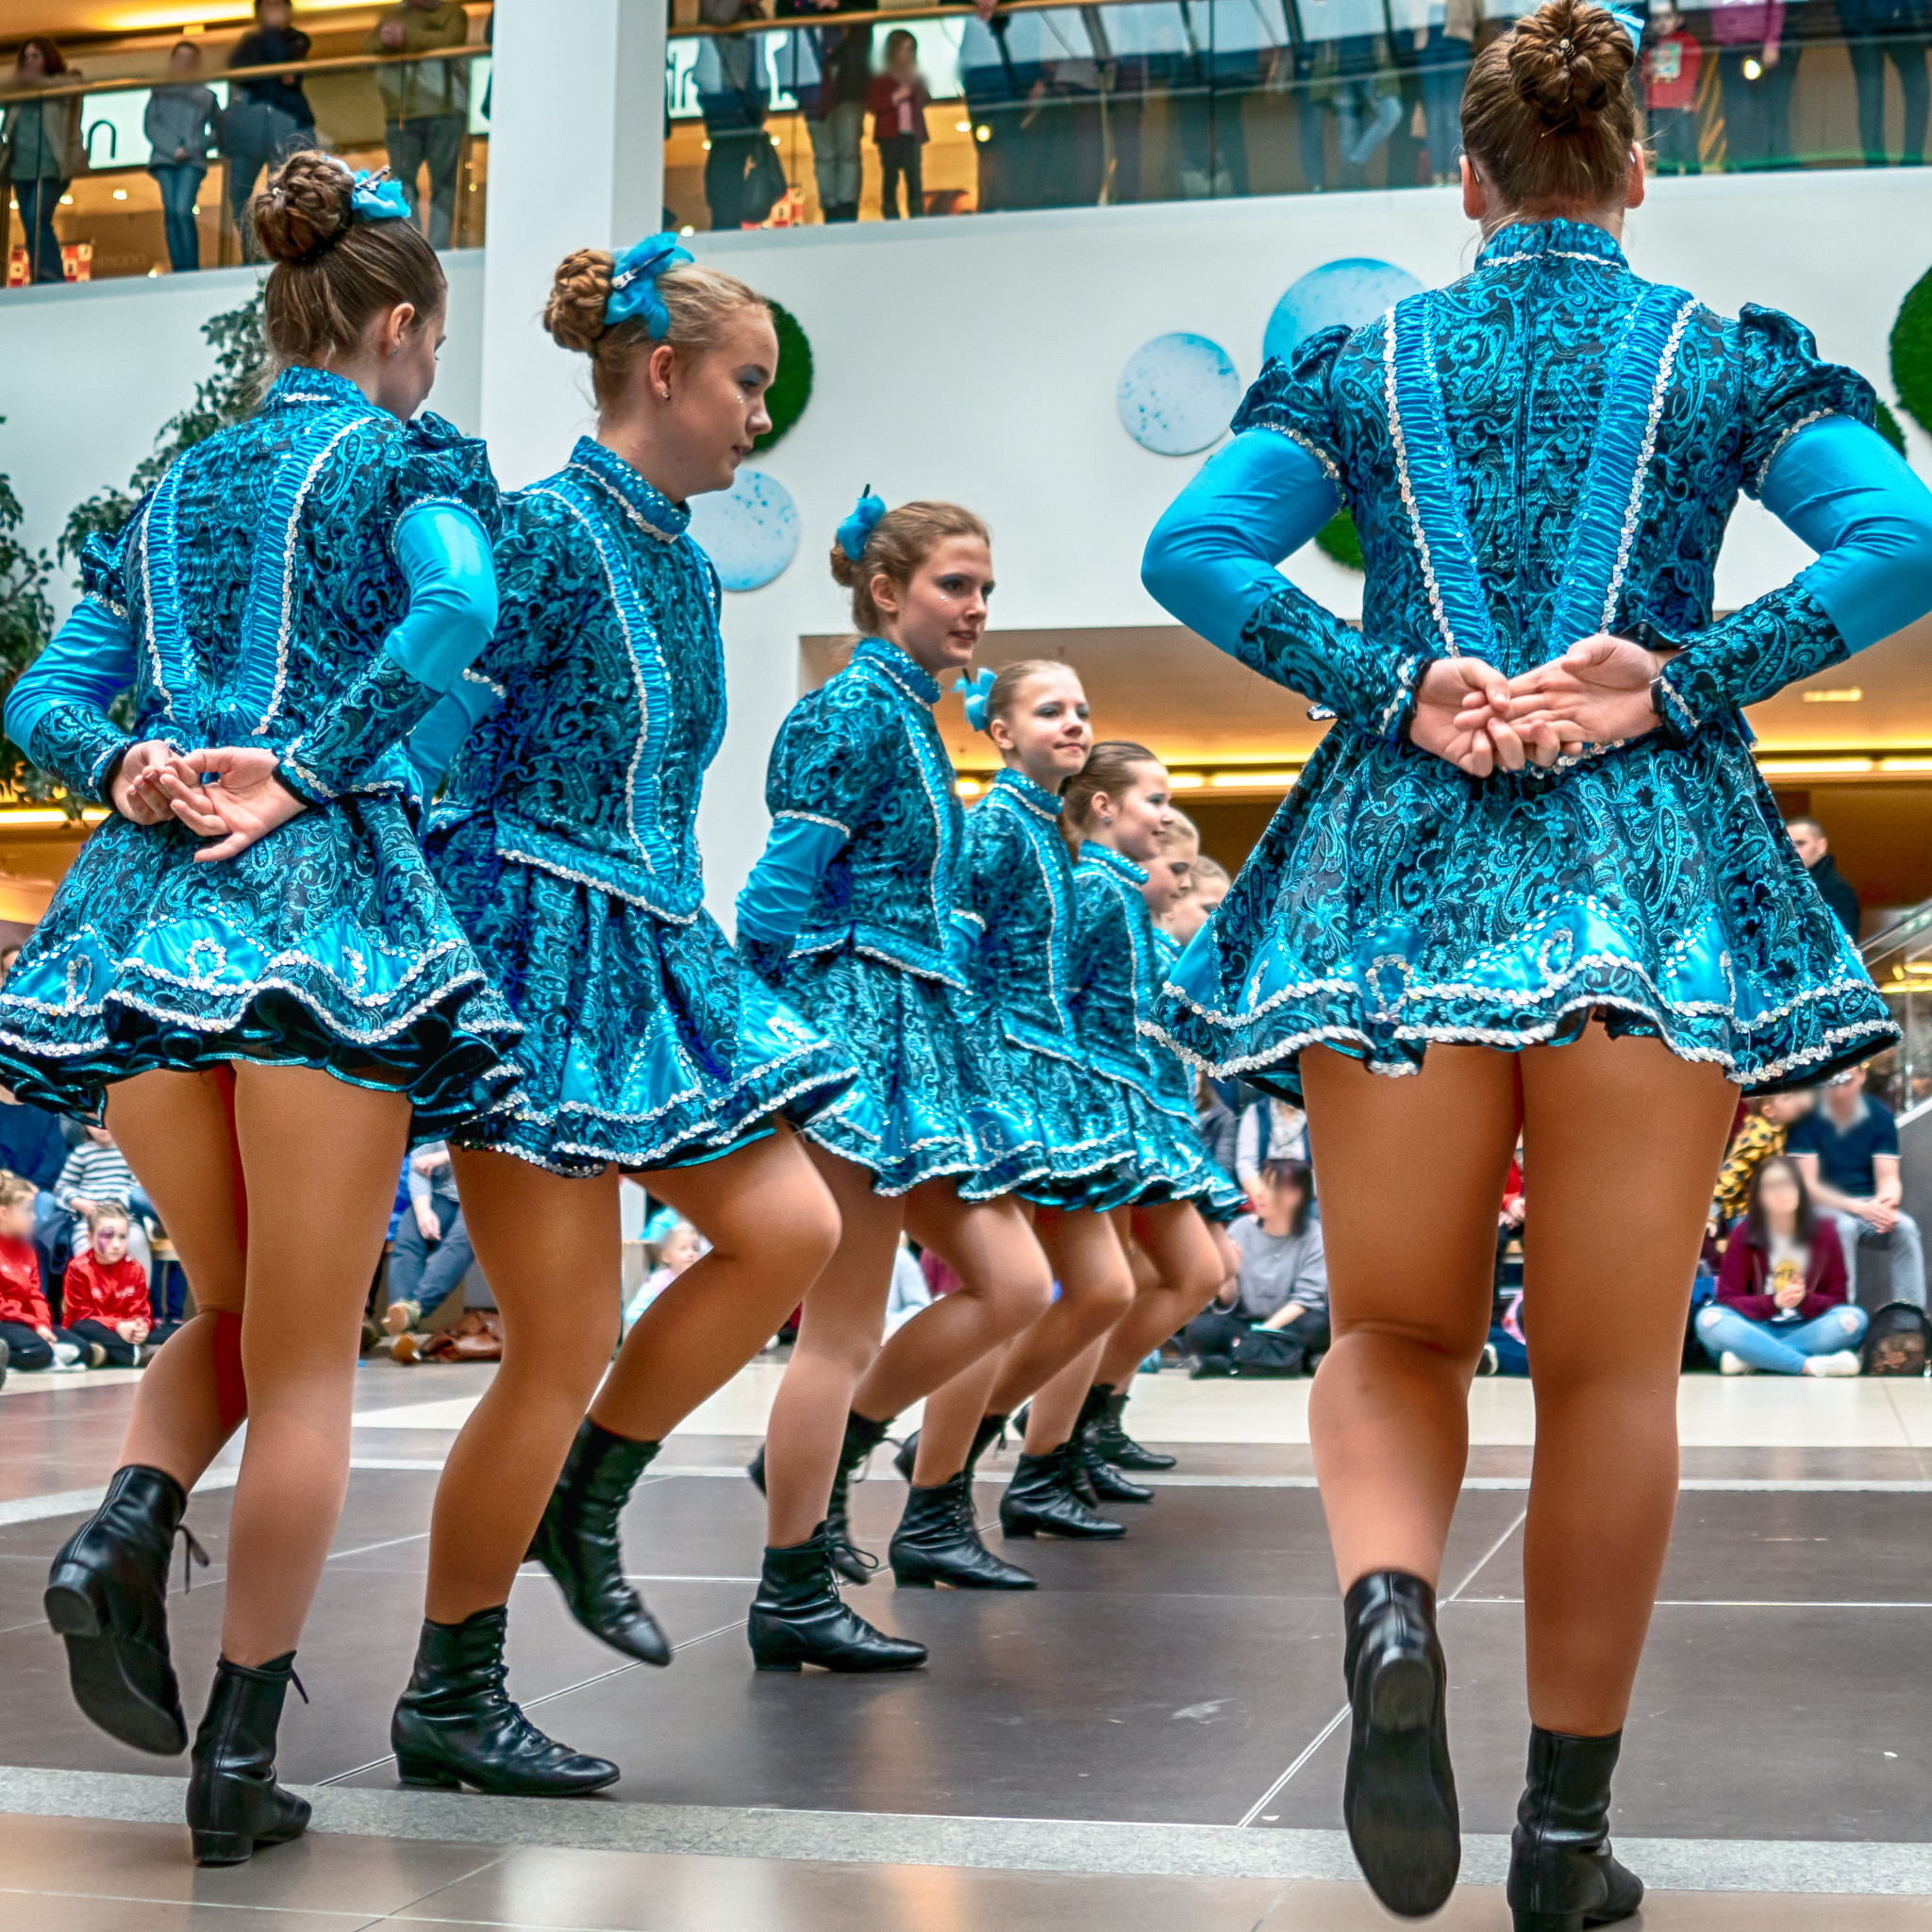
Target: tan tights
280	1274
552	1250
1620	1146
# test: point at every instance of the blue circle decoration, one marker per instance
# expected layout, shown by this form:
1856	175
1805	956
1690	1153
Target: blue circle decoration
749	531
1177	394
1351	292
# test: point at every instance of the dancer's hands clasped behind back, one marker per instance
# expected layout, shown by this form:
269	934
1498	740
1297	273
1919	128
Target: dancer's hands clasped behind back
230	794
1597	693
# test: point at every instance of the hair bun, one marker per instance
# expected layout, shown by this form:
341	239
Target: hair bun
1567	60
304	211
574	312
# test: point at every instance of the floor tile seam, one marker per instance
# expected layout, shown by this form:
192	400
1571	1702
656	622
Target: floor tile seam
357	1921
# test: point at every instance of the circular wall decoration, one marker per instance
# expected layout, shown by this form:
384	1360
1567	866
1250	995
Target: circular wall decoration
1339	539
791	388
1351	292
1911	351
749	531
1177	394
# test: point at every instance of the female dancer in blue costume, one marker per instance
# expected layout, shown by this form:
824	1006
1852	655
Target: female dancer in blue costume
1016	904
260	1013
567	843
850	915
1533	868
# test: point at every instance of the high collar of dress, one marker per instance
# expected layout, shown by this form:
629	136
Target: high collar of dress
898	668
647	504
1023	789
1105	854
1556	239
299	386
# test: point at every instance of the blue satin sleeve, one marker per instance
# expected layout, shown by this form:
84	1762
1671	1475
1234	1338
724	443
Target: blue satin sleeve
778	893
436	741
445	556
1211	559
57	712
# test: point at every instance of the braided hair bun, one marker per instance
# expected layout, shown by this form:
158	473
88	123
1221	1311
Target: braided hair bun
1567	62
303	211
574	312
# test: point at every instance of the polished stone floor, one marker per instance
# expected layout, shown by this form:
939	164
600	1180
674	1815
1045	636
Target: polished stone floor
1150	1739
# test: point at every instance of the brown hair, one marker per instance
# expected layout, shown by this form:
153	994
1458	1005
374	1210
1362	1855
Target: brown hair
52	58
1013	678
13	1190
901	541
1109	768
98	1217
698	301
333	274
1548	113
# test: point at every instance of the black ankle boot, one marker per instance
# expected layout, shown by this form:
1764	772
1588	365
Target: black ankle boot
1113	1439
234	1803
455	1725
862	1436
107	1598
799	1618
577	1541
990	1428
1041	1500
1562	1875
1108	1484
1399	1797
938	1541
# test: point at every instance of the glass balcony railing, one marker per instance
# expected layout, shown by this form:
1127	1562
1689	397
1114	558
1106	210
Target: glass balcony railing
109	220
1042	104
1900	960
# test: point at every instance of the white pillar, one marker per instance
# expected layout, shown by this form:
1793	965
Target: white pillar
577	160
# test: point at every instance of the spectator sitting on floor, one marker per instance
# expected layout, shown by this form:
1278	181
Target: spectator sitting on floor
96	1174
33	1146
1767	1124
674	1249
1847	1150
105	1298
1269	1130
431	1252
1783	1304
26	1323
1283	1282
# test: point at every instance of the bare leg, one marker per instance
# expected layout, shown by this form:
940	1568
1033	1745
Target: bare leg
1056	1408
1096	1291
1188	1271
953	1415
552	1251
1607	1123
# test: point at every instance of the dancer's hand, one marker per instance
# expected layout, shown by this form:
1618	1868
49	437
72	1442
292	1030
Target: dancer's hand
1597	693
1462	715
135	790
246	801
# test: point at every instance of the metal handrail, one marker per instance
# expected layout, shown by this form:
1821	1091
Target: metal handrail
886	16
334	64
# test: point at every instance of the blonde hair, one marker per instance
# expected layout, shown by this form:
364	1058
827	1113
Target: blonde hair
13	1190
699	301
99	1217
900	542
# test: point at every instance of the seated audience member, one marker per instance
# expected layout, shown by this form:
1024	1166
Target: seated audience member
431	1252
95	1175
1847	1150
1783	1304
1766	1127
1269	1130
1215	1116
104	1299
26	1323
33	1146
1283	1282
674	1249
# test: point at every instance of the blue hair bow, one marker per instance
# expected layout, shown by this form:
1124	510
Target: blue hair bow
633	284
857	528
377	198
978	697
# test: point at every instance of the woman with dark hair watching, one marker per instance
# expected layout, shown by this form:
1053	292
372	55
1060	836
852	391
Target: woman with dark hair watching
249	967
42	150
1533	867
1784	1305
1283	1283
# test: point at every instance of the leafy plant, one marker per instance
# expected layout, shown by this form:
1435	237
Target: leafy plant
1339	538
1888	428
791	388
1911	351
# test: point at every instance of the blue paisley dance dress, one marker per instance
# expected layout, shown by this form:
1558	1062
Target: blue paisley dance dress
310	581
1547	448
849	914
566	840
1173	1078
1115	977
1016	908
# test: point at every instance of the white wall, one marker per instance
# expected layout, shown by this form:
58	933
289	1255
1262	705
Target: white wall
977	358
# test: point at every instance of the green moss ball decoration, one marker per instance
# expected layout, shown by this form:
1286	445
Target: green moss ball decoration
791	388
1888	428
1912	352
1337	537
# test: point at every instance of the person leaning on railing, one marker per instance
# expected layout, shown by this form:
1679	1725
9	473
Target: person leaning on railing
426	104
42	150
179	125
268	117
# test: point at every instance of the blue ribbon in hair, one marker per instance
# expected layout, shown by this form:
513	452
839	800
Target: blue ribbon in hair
856	529
978	698
377	198
633	284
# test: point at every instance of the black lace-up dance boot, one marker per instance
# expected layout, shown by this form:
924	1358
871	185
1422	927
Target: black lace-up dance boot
577	1541
455	1725
1107	1482
1399	1796
1041	1500
991	1429
1562	1875
1111	1438
107	1598
862	1436
938	1541
235	1805
799	1618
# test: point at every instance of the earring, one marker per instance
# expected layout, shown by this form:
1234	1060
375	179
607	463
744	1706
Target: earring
664	396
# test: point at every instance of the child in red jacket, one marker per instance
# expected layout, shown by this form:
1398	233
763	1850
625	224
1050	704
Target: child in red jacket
105	1296
26	1324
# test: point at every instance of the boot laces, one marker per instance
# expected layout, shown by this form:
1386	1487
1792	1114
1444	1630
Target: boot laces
297	1682
192	1553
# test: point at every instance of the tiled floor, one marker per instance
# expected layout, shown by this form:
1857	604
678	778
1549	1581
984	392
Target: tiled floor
1150	1740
